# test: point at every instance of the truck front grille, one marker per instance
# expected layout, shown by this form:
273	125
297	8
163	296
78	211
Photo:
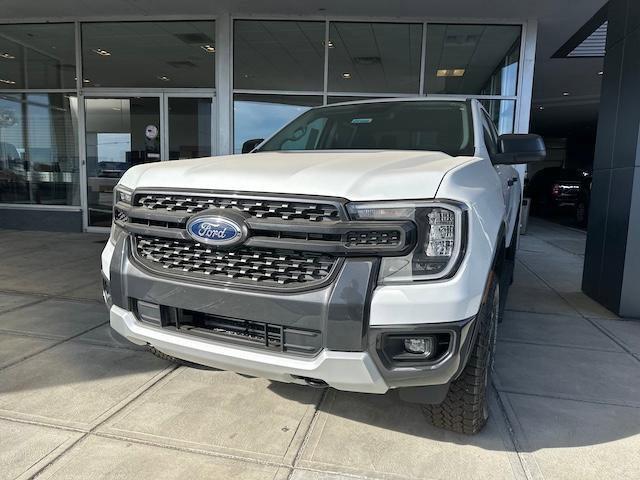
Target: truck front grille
258	208
248	266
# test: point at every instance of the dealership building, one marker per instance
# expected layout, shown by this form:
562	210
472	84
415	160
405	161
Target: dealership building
88	90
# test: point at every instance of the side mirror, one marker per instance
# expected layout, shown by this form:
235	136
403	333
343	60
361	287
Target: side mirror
520	148
249	145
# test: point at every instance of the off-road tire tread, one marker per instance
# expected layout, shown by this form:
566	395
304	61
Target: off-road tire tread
462	409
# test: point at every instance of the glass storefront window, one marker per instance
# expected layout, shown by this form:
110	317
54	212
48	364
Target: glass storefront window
120	133
38	149
172	54
37	56
374	57
502	112
260	116
472	59
278	55
189	127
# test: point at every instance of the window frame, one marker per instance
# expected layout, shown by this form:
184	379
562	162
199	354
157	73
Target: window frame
489	129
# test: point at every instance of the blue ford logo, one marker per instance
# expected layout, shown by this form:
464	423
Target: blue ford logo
216	230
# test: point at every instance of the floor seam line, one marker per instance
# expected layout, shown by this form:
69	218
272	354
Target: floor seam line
39	336
604	332
569	399
18	307
552	289
612	337
42	424
185	449
99	424
512	434
556	345
54	345
307	433
556	246
49	296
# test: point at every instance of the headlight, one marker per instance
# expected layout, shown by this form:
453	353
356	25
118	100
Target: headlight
122	198
441	237
122	194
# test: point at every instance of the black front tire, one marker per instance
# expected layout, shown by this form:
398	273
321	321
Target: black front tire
466	408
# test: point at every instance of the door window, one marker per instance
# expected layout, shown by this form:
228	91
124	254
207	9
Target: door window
189	127
120	133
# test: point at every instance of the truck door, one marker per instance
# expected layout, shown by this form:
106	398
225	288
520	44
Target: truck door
507	174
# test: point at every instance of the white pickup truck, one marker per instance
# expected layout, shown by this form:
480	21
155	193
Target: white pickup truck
366	246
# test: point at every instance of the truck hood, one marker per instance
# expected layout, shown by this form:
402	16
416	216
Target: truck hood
354	175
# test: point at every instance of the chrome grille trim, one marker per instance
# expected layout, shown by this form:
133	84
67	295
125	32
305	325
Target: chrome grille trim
263	268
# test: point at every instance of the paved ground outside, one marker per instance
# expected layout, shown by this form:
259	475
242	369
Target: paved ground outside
78	402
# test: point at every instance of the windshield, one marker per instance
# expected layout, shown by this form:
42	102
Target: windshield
430	125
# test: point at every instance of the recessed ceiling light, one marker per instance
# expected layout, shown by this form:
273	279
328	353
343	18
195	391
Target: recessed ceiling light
450	72
7	56
600	72
565	94
102	51
329	44
8	82
208	48
86	80
540	107
346	75
164	78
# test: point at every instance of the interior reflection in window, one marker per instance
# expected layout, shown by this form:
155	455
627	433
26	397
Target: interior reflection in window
38	149
472	59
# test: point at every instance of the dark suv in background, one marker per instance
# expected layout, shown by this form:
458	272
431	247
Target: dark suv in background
556	191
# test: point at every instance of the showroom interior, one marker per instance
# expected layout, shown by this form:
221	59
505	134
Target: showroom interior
79	95
89	89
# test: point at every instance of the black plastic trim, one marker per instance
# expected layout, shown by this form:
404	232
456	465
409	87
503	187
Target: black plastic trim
339	310
438	372
348	307
176	229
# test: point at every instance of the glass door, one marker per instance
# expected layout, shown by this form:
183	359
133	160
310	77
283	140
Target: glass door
120	133
190	130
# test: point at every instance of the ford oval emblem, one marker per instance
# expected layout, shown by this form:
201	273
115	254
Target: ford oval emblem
216	230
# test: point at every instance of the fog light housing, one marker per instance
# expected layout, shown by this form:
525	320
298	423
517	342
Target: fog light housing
422	346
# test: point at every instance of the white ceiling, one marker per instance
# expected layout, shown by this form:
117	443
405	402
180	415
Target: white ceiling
558	21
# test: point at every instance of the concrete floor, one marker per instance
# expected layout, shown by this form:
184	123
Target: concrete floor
77	402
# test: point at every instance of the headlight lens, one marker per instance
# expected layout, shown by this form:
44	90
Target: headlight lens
440	237
122	194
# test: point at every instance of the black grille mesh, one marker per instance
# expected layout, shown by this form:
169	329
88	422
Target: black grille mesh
262	267
373	238
284	210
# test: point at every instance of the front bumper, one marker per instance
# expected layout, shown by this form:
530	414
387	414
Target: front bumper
352	371
350	358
